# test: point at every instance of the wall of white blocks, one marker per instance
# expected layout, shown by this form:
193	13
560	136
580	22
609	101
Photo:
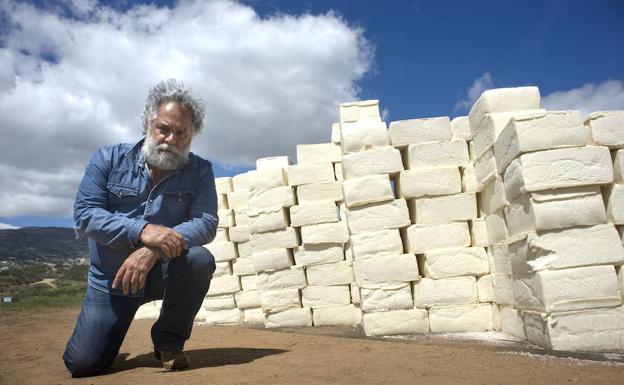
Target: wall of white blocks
508	219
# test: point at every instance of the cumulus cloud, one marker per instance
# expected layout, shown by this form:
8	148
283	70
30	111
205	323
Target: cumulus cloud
608	95
6	226
480	84
74	76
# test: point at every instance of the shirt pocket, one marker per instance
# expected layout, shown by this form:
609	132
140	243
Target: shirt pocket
177	203
122	197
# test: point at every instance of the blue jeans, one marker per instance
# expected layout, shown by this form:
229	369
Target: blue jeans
104	320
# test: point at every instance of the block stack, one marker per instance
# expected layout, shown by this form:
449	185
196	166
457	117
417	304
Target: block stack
219	307
272	241
561	249
324	234
382	270
441	204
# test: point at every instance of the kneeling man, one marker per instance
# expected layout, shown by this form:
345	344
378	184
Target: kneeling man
147	209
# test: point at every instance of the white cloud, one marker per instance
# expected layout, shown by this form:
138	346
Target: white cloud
6	226
69	84
480	84
608	95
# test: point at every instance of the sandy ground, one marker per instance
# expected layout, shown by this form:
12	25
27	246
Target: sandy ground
31	344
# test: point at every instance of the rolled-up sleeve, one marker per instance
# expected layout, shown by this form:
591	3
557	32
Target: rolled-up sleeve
91	217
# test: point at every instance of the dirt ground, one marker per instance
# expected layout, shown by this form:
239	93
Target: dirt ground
31	345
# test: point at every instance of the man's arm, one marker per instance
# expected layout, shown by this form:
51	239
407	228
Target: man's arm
201	227
91	217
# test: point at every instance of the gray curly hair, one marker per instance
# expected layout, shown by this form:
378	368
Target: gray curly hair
173	91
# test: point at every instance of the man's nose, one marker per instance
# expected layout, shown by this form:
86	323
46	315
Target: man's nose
171	138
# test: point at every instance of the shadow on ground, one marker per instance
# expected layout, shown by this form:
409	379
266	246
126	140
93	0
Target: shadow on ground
200	358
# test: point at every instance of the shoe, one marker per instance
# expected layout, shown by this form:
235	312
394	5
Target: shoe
172	360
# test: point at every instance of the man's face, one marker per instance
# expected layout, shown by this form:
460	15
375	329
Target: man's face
168	138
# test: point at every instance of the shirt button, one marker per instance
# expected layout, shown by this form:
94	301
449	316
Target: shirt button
151	200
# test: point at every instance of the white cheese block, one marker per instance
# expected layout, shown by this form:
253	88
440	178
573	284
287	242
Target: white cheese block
620	273
478	232
267	178
240	182
338	171
222	268
363	135
503	290
227	284
503	100
223	185
272	162
325	233
330	191
335	133
568	289
511	322
221	235
396	322
239	233
423	237
385	269
554	169
274	301
376	216
222	202
148	311
579	206
271	197
222	251
492	125
496	321
464	318
367	189
572	247
306	173
539	131
437	154
323	296
493	197
253	316
446	263
460	128
607	128
614	199
499	258
244	249
241	218
278	239
293	277
344	315
378	160
307	255
444	208
355	293
219	302
618	166
371	244
266	219
428	181
226	218
248	299
386	298
360	110
589	330
289	318
413	131
248	282
318	153
311	213
469	181
223	317
272	260
330	274
447	291
496	227
485	168
243	266
485	289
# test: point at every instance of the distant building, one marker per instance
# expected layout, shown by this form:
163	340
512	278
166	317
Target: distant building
7	299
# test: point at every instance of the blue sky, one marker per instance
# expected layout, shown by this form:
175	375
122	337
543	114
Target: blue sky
419	58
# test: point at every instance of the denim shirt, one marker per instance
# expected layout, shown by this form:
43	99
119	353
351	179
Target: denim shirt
116	200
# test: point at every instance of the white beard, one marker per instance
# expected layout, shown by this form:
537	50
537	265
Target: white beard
163	156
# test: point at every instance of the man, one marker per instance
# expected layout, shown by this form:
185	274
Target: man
147	209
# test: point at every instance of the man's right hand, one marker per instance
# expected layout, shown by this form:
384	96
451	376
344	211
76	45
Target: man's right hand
168	240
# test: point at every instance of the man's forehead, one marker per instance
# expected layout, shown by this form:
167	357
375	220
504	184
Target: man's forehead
173	113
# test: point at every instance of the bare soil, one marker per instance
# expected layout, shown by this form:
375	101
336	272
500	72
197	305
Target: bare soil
32	342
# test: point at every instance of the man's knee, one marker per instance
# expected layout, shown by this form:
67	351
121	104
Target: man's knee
202	261
84	365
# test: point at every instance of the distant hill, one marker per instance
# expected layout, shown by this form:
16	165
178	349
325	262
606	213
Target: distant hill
42	244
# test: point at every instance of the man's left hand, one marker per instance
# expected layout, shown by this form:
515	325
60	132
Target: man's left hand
133	272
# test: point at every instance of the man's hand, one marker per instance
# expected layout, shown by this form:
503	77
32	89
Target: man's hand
134	270
168	240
